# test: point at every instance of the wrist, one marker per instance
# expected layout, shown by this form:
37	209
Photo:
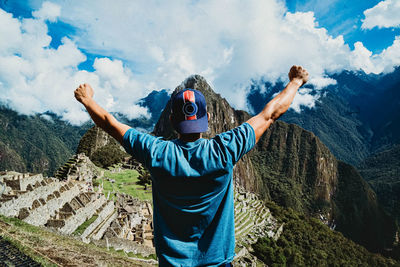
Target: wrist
86	101
296	81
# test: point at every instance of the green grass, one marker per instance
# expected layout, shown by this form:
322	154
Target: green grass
125	182
133	255
51	244
85	225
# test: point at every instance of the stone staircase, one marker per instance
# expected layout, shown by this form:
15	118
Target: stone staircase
69	168
106	214
78	167
252	218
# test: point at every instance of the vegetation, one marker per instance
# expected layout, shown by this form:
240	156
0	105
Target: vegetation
297	171
108	155
144	178
47	247
85	225
124	182
35	143
382	171
306	241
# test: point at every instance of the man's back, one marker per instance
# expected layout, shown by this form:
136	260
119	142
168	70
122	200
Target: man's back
192	194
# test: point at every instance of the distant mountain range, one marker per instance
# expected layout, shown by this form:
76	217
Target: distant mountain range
356	117
42	143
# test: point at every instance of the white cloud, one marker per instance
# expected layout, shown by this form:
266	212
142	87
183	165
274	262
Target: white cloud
363	59
230	42
304	98
35	78
160	43
384	15
48	11
321	82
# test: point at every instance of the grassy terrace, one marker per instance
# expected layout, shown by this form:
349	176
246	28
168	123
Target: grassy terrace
51	249
125	182
85	225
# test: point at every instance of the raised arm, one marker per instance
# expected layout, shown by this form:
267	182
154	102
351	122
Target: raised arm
280	103
103	119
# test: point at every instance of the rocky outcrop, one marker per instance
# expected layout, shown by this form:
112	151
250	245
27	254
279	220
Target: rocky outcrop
101	148
297	169
94	139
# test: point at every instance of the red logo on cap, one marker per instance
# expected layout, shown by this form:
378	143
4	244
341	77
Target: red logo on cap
188	97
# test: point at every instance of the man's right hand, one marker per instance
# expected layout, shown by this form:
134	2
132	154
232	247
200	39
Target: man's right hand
298	74
84	92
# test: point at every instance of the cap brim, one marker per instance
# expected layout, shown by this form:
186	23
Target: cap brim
192	126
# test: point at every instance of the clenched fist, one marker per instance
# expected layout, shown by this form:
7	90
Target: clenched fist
298	74
84	92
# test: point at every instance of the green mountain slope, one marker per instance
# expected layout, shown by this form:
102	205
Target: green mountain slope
298	171
382	171
306	241
35	144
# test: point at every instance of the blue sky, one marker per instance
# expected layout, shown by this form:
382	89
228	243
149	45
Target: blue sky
343	17
126	49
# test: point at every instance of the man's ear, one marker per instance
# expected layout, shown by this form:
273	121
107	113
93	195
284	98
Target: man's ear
208	116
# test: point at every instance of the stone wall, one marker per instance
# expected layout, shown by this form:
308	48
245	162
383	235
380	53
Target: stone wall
42	214
16	200
99	226
75	212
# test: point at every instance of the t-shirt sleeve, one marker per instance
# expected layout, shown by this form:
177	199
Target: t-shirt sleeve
139	145
238	141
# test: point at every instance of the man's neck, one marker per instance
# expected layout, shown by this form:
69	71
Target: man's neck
190	137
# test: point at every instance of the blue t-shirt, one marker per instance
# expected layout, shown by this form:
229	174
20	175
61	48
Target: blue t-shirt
192	194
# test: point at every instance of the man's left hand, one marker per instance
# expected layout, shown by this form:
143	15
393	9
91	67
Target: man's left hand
84	92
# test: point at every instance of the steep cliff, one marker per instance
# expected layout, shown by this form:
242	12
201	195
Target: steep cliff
297	169
382	171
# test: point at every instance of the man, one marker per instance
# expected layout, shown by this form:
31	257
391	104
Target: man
192	176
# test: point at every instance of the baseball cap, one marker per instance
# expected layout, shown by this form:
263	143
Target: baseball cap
189	111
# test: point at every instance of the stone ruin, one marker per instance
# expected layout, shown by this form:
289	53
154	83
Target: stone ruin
132	228
64	205
124	223
134	221
252	221
79	167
